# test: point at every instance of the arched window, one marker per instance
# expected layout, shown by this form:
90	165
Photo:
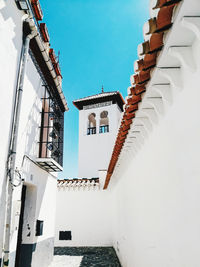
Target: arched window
91	124
104	122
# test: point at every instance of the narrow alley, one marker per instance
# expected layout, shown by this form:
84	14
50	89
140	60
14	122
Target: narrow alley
85	257
100	133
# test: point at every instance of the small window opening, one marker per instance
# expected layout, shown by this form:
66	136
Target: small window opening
104	122
39	227
91	124
65	235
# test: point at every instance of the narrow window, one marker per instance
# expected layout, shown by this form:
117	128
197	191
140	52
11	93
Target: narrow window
65	235
39	227
91	124
51	130
104	122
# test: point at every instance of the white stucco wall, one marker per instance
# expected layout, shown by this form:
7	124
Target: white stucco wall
10	45
35	177
40	204
157	189
87	214
30	116
95	150
41	186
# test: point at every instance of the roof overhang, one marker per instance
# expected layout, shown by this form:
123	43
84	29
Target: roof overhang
115	97
157	70
51	81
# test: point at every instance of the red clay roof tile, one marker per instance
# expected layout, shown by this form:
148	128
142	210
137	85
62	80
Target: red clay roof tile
148	49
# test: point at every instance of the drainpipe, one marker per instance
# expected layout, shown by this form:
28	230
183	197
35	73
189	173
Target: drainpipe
11	168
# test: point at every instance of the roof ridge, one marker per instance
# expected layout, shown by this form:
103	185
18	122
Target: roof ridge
102	93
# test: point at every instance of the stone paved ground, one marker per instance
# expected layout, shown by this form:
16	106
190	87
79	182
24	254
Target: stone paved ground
66	261
85	257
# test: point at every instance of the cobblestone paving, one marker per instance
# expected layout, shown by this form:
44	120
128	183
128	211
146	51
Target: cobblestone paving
91	256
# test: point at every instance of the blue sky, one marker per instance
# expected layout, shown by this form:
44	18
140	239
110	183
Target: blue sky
97	40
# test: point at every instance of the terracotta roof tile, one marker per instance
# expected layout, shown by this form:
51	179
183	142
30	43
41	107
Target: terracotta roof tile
164	18
156	42
139	89
144	76
149	61
148	52
161	3
132	108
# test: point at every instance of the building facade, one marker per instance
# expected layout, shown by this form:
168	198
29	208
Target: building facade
86	218
32	108
99	117
152	212
155	166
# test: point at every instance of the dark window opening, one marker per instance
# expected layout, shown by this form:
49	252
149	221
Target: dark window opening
91	130
39	228
104	122
104	129
65	235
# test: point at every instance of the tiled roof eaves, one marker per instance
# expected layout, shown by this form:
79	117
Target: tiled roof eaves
105	96
148	53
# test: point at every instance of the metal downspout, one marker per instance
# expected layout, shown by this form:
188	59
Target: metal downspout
13	149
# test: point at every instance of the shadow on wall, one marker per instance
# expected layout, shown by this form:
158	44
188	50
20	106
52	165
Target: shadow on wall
14	29
8	11
2	211
32	128
38	250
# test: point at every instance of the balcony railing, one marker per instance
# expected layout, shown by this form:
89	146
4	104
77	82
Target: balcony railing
91	130
51	135
104	129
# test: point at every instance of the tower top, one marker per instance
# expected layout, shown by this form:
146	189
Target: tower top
115	97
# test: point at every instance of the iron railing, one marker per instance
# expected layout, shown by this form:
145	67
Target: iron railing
104	129
91	130
51	130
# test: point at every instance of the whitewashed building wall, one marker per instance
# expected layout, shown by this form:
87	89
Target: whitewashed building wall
41	186
10	45
87	214
84	210
95	150
156	186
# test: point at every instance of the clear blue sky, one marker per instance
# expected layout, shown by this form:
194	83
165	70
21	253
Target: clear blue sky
98	42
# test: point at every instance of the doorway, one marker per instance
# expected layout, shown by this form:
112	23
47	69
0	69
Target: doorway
20	229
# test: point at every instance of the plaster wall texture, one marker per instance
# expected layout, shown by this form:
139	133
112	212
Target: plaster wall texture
87	214
95	150
41	186
156	192
30	117
40	205
10	45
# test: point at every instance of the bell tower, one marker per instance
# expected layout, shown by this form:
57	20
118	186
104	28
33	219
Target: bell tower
99	117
